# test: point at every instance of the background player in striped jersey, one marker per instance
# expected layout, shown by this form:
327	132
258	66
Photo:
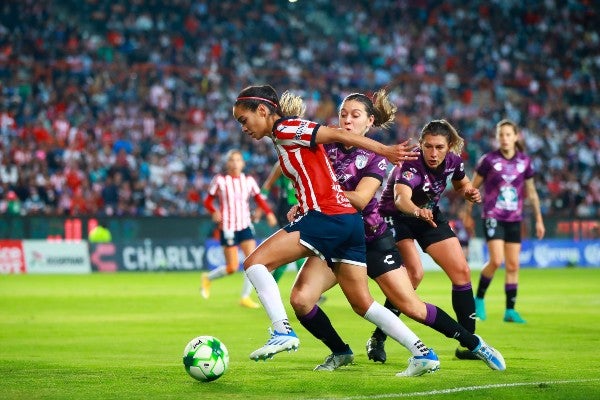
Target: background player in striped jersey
233	191
328	225
507	178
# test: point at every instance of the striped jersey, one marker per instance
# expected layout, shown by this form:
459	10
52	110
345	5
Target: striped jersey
233	194
306	164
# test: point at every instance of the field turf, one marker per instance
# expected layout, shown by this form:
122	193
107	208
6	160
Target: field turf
121	336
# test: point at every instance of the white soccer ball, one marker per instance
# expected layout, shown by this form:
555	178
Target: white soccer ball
205	358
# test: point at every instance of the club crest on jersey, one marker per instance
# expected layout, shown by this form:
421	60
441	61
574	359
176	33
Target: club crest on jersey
361	161
408	175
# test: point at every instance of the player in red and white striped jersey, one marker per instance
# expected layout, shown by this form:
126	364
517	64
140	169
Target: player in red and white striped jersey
233	191
329	226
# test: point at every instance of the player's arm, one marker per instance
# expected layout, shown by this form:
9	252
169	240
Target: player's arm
466	189
394	153
404	204
213	211
364	192
468	215
534	199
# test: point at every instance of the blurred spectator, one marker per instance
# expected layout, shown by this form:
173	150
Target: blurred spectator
132	102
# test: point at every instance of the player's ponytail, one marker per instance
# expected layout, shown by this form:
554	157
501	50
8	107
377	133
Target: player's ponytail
383	109
292	105
380	107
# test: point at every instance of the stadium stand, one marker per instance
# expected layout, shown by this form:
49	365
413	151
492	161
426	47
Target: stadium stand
125	109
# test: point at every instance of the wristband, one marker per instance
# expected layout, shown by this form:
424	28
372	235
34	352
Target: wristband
264	192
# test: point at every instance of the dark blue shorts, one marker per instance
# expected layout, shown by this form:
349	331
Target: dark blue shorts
334	238
234	238
510	232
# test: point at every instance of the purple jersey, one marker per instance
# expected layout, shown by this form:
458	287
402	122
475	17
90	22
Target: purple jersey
427	184
350	166
504	185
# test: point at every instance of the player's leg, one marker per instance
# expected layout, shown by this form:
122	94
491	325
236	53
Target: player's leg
279	249
495	235
247	247
397	287
496	257
231	265
448	254
353	281
512	280
414	268
314	279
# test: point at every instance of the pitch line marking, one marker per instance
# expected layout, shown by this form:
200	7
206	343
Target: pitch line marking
460	389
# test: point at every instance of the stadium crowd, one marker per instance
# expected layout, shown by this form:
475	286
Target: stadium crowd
124	108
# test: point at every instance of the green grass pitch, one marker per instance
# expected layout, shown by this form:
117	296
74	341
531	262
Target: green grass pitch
121	336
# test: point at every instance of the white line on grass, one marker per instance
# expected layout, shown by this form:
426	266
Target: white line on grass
462	389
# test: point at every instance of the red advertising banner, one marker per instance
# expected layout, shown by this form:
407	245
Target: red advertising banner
12	259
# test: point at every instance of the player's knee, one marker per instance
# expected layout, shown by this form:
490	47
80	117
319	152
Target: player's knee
461	274
414	310
360	306
416	277
302	301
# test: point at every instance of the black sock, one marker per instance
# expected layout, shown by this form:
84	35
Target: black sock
439	320
511	295
378	333
484	283
464	306
318	323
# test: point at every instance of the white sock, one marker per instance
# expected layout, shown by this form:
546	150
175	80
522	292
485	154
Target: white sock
247	286
392	326
218	272
269	296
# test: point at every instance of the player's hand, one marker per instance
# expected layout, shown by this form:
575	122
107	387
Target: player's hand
426	215
291	215
540	230
472	194
216	217
271	220
258	213
398	153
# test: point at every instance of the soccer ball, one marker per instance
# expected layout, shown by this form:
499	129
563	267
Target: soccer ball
205	358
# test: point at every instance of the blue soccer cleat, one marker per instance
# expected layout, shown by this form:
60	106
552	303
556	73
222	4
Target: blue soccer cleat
420	365
489	355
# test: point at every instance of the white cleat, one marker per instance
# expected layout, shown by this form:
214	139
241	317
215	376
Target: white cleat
277	343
